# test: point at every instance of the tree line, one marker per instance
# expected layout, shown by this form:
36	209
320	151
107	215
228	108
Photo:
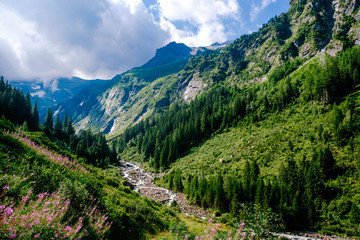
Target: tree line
165	137
300	194
17	108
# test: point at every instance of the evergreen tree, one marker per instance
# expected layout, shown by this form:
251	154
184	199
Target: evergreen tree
57	123
35	115
220	200
69	128
49	119
28	116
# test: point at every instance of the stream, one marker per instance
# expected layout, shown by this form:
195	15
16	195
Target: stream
143	182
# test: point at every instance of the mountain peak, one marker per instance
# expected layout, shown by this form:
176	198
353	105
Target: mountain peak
172	52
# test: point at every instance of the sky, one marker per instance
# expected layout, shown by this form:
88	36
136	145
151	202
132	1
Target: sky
47	39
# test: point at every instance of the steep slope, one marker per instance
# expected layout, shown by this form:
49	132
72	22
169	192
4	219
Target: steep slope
49	93
309	27
132	95
47	193
283	137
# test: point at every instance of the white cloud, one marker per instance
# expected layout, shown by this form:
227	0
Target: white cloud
257	9
43	39
203	21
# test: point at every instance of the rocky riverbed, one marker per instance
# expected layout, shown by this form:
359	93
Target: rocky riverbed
143	182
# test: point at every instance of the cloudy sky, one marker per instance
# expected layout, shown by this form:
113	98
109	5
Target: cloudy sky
43	39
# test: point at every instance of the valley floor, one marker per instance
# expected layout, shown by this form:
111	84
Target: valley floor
143	182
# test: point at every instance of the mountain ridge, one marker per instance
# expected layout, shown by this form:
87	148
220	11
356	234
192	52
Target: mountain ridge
308	28
129	87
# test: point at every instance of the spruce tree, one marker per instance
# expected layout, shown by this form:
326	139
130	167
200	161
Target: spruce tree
28	116
35	115
57	123
48	119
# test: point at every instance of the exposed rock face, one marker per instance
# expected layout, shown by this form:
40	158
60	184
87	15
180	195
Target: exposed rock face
194	88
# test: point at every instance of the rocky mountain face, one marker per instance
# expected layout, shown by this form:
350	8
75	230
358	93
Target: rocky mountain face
132	95
178	73
55	91
307	29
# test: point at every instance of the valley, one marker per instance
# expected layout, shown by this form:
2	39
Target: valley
256	138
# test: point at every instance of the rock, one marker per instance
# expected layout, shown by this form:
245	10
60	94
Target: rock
194	88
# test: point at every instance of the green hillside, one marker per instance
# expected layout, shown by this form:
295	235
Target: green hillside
47	192
264	130
290	144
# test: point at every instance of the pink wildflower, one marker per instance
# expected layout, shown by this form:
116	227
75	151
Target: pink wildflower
9	211
37	235
67	228
6	187
13	236
210	220
186	237
78	228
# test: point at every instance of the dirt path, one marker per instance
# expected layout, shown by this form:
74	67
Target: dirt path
143	182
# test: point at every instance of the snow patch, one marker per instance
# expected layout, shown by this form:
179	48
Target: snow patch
41	94
35	87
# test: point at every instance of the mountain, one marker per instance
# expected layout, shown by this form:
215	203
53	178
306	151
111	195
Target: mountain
170	53
264	133
274	127
55	184
133	95
176	75
49	93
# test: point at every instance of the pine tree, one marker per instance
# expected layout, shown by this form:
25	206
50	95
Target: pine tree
49	119
28	116
220	200
69	128
65	122
57	123
35	115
